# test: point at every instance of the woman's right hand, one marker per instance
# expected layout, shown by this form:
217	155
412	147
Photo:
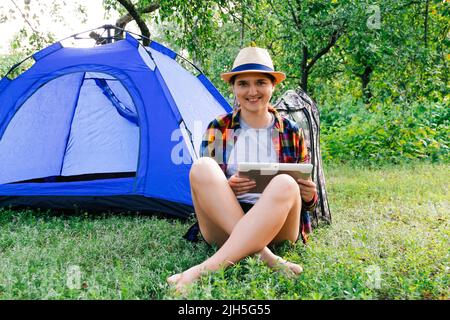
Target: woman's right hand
240	185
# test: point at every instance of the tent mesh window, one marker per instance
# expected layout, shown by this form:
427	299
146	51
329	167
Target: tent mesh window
79	126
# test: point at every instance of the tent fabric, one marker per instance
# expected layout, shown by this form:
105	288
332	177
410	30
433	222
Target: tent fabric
28	149
105	187
101	139
120	203
188	104
108	109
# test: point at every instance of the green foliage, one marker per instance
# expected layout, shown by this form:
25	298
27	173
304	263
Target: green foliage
402	45
385	39
28	42
387	134
34	17
405	59
403	66
6	62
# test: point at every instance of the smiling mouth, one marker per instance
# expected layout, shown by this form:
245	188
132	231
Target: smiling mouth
253	99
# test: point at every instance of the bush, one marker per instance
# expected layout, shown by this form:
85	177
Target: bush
386	134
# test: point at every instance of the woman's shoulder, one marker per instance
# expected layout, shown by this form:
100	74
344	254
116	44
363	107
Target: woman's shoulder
221	120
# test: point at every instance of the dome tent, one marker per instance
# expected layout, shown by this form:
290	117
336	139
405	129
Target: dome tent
110	127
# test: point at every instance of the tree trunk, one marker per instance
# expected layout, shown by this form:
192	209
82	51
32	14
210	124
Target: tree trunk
242	29
129	6
304	70
124	20
306	67
425	34
365	79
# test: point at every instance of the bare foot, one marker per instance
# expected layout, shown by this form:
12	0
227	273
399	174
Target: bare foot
182	280
277	263
290	267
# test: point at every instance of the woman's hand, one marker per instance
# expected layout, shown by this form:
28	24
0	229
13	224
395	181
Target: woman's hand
307	189
240	185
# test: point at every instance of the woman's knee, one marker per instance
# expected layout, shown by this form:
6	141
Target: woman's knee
203	169
284	186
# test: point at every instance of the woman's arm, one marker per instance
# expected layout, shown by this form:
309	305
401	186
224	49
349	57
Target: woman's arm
308	187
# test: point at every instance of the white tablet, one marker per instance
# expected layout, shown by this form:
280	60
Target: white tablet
262	173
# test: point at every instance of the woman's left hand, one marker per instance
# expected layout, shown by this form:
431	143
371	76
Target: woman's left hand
307	189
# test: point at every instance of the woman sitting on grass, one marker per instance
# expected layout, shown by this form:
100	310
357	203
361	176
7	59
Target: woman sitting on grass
242	223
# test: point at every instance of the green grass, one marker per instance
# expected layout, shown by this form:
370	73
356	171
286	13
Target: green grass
389	240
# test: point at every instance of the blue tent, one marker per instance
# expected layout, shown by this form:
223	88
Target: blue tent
112	127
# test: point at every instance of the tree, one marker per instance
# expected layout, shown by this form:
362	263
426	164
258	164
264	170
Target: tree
133	12
298	33
383	52
30	37
195	21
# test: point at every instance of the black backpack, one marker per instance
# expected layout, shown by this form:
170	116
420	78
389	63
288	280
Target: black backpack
298	107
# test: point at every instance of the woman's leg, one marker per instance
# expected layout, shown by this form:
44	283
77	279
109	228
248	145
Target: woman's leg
216	226
265	222
219	213
215	204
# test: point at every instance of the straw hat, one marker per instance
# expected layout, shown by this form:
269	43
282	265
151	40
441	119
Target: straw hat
253	59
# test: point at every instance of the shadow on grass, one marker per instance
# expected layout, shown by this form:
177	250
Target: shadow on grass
9	214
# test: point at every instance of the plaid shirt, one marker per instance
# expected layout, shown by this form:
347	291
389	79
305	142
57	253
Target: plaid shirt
288	140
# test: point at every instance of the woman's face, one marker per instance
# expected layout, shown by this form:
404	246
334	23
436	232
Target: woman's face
253	91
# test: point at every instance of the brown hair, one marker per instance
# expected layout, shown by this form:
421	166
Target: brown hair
268	75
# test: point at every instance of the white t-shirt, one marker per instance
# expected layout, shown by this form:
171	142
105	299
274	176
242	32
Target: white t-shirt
252	145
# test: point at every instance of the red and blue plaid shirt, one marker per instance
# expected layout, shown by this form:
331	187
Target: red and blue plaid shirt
287	137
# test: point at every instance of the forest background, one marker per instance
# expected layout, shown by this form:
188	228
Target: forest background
378	70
